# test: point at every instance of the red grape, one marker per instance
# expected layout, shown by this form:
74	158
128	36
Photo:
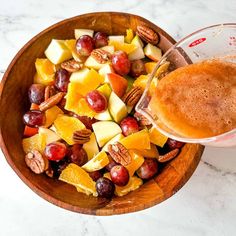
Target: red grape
137	68
105	187
119	175
173	144
57	167
110	164
55	151
62	79
120	62
95	175
34	118
84	45
96	101
129	125
148	169
36	93
78	155
100	39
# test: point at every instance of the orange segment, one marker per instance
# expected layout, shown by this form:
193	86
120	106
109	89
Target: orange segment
149	66
46	71
51	115
126	47
133	184
150	153
139	140
78	177
142	80
36	142
66	126
70	44
129	35
97	162
157	137
136	162
29	131
84	109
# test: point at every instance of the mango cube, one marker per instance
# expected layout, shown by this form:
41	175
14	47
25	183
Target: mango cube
70	44
57	51
136	161
129	35
35	142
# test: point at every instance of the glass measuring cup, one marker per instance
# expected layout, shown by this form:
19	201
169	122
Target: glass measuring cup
217	41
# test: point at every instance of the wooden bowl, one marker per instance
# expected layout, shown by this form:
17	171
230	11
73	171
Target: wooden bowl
14	102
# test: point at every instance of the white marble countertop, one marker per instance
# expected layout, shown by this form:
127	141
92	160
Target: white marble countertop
206	205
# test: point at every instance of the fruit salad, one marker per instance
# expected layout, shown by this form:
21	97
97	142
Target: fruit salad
82	127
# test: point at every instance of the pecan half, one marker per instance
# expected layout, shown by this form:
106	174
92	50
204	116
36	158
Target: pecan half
143	121
49	92
82	136
119	153
168	156
100	55
147	34
50	102
36	162
71	65
49	172
133	96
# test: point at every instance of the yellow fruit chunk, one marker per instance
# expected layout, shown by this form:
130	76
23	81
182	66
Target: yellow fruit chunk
136	161
70	44
57	51
51	115
126	47
35	142
84	109
50	136
97	162
91	147
149	66
45	70
142	80
66	126
150	153
87	79
78	177
157	137
139	140
129	35
133	184
117	138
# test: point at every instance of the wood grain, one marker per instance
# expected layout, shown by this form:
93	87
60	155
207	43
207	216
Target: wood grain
14	102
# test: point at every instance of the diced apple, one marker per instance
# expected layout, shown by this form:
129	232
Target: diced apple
117	107
103	115
105	70
105	131
92	63
91	147
80	32
109	49
50	136
79	76
152	52
57	51
105	89
117	138
138	52
117	38
118	83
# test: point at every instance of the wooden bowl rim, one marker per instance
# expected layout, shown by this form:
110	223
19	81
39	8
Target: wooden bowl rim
36	189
